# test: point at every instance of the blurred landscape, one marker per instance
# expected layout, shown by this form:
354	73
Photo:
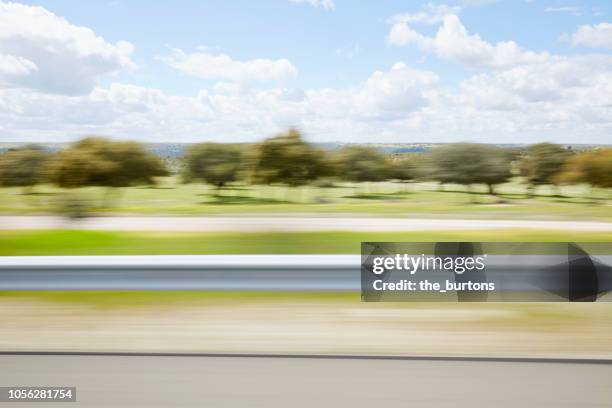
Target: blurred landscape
298	323
50	191
286	174
186	188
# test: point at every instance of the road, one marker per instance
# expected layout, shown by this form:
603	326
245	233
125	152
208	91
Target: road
170	381
286	224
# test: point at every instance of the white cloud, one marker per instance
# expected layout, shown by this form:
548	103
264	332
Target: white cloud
511	95
564	99
429	14
326	4
516	91
511	77
477	3
560	82
227	112
395	92
574	11
569	102
453	42
594	36
42	51
11	65
222	67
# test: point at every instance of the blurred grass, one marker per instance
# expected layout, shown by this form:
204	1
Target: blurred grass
122	299
384	198
318	323
75	242
487	315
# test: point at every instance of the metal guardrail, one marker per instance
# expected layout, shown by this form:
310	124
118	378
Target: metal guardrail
189	272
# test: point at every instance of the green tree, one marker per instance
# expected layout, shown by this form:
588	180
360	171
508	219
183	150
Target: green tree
23	167
598	169
213	163
288	159
97	161
542	163
470	163
593	167
407	167
362	164
497	166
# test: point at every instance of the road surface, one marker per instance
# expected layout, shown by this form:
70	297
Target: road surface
270	382
286	224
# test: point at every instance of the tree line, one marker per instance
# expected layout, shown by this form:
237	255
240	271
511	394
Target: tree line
288	159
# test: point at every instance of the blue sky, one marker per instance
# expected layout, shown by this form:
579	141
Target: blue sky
377	71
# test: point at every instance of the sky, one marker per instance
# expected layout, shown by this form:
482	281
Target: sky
493	71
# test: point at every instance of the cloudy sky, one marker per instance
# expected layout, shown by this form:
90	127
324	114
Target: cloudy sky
378	71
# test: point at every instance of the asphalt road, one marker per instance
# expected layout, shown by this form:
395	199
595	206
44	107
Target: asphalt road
286	224
165	381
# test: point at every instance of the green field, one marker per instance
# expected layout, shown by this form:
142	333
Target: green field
122	299
72	242
384	199
304	323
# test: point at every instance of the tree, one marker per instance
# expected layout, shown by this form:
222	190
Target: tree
97	161
361	163
288	159
23	167
213	163
598	168
406	167
497	166
541	164
470	163
593	167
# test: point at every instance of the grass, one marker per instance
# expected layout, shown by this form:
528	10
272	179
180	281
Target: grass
384	199
135	299
74	242
540	315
